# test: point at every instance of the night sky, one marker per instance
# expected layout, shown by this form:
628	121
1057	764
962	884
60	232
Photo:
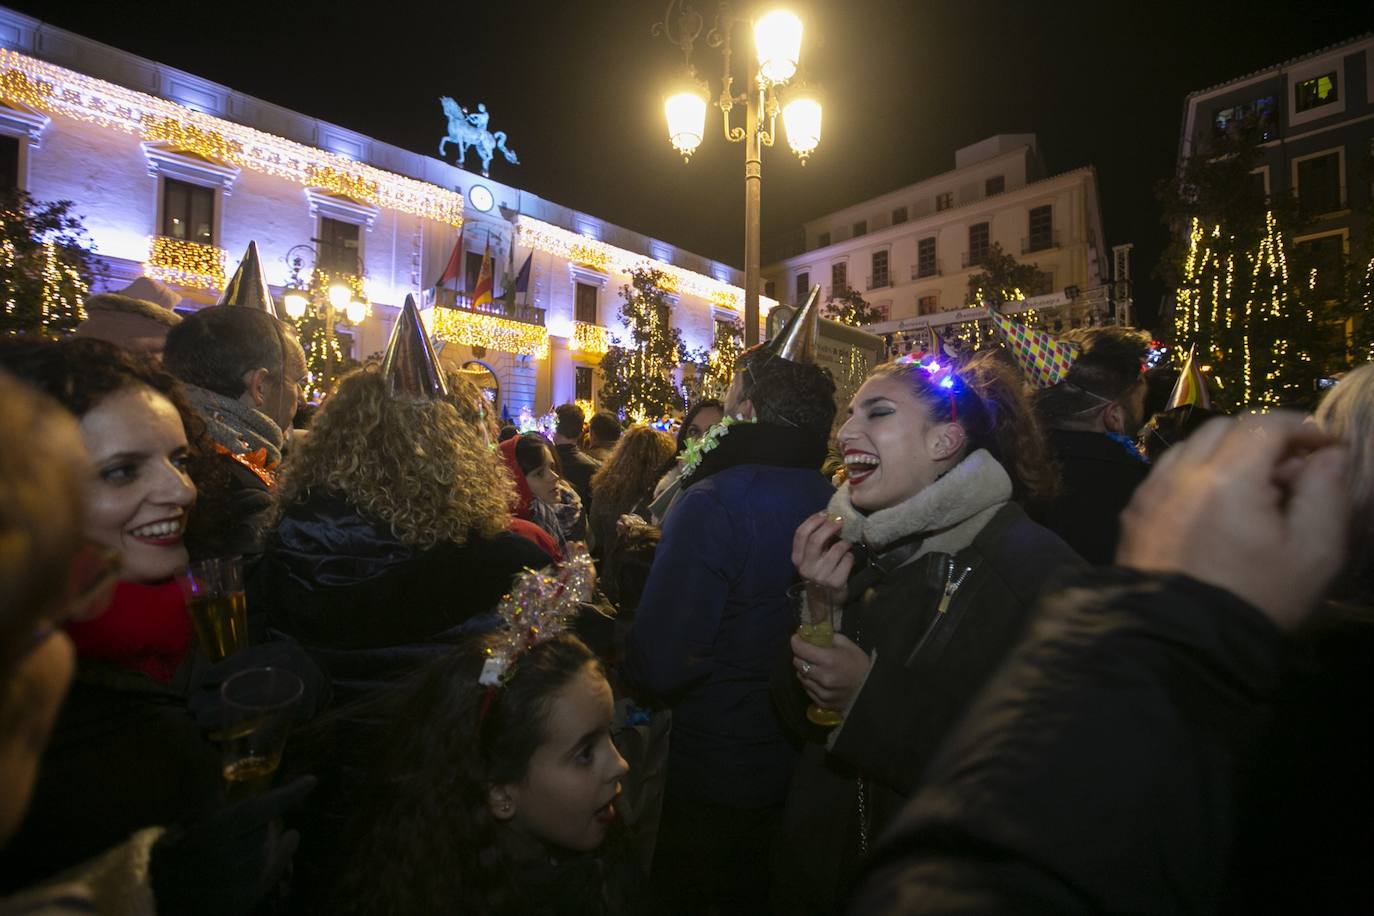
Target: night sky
577	87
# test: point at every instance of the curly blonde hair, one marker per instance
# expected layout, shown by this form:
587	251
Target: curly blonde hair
633	468
415	465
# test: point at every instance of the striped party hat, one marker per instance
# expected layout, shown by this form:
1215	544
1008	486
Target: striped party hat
1191	388
1044	358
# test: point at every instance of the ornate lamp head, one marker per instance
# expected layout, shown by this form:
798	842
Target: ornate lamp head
248	288
410	366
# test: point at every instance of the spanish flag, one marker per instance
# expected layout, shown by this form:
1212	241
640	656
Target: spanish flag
481	293
1191	388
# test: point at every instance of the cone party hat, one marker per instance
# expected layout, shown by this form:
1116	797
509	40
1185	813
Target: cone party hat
410	366
1191	388
797	341
1044	358
248	288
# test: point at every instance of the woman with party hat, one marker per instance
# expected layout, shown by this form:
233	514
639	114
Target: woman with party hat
394	520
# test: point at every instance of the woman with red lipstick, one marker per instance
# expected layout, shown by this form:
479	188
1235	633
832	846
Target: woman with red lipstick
492	798
928	566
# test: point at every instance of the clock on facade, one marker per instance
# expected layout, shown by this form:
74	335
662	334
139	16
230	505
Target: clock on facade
480	197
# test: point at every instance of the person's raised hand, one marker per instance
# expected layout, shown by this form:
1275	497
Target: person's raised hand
830	676
823	559
1256	506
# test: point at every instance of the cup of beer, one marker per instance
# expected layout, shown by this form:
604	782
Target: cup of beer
216	603
818	629
259	706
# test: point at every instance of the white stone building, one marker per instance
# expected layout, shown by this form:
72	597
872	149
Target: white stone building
910	252
174	175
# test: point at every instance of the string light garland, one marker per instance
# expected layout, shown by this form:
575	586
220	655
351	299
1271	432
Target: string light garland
64	292
343	183
591	339
473	329
563	243
57	90
184	263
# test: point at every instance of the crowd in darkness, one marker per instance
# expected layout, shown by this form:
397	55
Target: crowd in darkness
1014	631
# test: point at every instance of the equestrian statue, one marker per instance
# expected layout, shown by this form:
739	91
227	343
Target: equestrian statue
469	128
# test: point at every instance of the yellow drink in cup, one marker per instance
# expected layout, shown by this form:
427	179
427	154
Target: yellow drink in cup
818	630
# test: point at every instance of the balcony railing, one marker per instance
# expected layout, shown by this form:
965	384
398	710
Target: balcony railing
930	270
1320	203
880	281
526	314
1040	242
838	291
973	259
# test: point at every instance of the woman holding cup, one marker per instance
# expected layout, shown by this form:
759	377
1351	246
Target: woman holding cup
926	566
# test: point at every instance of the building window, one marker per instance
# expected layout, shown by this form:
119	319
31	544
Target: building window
1322	260
582	384
188	212
724	330
977	244
472	269
926	305
665	316
584	309
994	185
944	201
899	215
1041	228
339	251
839	279
925	257
1251	119
879	278
1259	178
803	287
861	228
1316	92
770	289
823	240
9	163
1319	183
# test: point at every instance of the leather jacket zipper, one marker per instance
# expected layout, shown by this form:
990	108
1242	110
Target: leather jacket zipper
953	582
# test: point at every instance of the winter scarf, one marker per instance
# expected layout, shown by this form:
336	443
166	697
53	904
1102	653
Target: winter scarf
145	629
947	515
763	443
529	508
241	429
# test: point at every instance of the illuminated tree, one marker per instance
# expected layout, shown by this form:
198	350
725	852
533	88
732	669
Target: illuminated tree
715	368
851	309
1260	324
638	373
46	266
1002	279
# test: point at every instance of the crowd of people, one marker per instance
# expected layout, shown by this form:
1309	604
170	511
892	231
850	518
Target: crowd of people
1046	640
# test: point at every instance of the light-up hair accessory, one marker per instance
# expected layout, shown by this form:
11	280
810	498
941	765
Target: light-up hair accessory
541	605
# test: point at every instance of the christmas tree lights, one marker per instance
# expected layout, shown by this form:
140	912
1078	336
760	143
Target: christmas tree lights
182	263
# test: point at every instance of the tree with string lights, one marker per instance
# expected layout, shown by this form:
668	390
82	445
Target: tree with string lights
46	267
638	373
1265	326
1002	279
851	309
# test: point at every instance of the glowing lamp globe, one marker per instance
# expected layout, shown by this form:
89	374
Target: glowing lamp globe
686	111
356	311
802	118
339	296
777	36
296	303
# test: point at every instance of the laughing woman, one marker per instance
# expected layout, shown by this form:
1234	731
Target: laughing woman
929	567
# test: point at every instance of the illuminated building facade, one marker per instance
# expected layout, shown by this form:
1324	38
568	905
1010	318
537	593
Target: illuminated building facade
173	175
910	252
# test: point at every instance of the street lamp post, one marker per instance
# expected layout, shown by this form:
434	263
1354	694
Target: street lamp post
777	41
341	302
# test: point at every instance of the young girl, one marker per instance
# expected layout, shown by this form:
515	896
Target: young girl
533	464
932	566
495	789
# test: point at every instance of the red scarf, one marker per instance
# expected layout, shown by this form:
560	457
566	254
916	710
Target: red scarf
145	629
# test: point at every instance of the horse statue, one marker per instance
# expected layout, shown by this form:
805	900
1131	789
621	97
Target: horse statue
467	128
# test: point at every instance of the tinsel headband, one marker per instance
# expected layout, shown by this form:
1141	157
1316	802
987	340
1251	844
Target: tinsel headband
540	605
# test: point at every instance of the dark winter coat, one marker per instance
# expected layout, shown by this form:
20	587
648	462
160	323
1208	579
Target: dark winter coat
577	469
1156	746
927	669
714	616
1099	476
368	607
